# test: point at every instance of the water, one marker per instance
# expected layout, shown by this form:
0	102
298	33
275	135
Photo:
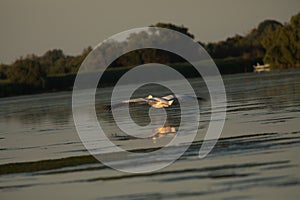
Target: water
256	157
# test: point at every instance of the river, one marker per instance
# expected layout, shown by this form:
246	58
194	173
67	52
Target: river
257	156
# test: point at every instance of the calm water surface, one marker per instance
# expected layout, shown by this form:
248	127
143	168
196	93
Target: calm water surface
257	156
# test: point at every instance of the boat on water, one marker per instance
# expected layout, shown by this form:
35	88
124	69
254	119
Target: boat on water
261	68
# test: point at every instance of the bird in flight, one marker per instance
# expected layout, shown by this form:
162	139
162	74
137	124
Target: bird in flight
156	102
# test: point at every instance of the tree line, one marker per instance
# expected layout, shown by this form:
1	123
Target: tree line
275	43
283	45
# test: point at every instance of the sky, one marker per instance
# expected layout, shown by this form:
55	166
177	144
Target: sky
36	26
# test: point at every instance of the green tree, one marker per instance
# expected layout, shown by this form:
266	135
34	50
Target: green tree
3	71
72	64
248	46
52	60
28	72
283	45
174	27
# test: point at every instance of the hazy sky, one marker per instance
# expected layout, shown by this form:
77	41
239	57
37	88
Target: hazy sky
35	26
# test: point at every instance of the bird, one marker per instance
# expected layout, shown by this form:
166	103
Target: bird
155	102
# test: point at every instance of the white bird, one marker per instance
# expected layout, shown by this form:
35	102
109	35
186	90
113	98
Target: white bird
156	102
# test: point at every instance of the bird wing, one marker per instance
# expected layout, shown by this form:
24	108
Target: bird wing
188	97
159	100
137	100
130	102
169	97
181	97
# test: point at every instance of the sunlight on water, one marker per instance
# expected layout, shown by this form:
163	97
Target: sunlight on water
257	156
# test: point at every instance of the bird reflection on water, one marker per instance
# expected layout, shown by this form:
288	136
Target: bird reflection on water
139	111
162	132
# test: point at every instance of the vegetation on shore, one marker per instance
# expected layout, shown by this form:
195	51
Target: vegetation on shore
271	42
35	166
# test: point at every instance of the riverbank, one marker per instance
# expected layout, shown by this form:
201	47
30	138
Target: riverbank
64	82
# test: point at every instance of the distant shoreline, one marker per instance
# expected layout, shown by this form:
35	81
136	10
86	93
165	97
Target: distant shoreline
267	44
57	83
